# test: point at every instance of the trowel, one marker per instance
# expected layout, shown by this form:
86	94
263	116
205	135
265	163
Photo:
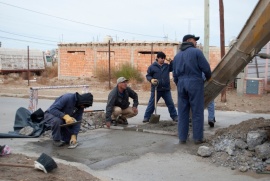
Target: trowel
155	117
70	124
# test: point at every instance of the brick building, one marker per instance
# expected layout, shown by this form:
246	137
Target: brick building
83	59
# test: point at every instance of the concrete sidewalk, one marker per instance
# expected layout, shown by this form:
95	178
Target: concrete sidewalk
128	155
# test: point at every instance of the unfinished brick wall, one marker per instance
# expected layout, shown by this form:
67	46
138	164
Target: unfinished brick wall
83	60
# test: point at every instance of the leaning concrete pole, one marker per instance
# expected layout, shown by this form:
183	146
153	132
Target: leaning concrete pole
206	30
254	35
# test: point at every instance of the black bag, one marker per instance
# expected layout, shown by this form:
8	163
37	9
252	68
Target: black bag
37	116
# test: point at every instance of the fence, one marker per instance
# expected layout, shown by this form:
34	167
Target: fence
33	99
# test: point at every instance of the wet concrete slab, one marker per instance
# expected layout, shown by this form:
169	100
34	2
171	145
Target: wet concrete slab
103	148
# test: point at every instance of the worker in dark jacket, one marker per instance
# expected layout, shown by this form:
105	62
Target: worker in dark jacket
159	75
188	66
118	106
67	109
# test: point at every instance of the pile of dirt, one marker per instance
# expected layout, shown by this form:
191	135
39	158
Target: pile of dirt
61	173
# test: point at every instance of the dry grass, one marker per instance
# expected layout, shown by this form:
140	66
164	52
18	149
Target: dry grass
13	78
102	73
146	86
43	80
50	72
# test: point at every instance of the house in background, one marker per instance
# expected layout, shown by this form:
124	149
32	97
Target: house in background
84	59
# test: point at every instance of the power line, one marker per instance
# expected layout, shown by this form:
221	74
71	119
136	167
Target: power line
27	41
28	36
73	21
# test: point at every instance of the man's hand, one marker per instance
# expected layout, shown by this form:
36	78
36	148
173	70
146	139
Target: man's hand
135	110
68	119
169	59
154	81
73	139
209	80
108	124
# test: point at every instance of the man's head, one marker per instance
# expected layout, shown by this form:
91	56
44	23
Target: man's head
122	82
161	58
191	38
84	100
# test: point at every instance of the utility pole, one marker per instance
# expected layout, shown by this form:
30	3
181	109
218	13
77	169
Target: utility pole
109	45
222	42
206	30
28	72
189	24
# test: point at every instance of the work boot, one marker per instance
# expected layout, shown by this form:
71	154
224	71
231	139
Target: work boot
212	122
182	142
197	142
114	122
123	120
59	143
145	121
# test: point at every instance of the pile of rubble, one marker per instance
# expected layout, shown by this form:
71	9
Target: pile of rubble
93	120
245	146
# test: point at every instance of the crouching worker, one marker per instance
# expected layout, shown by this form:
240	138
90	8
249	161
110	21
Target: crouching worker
67	109
118	109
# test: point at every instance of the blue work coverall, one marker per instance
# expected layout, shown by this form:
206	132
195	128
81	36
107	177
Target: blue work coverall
65	104
162	74
188	66
210	107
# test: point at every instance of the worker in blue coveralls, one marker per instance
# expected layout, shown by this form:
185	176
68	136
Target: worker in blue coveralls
67	109
211	114
158	73
188	66
211	110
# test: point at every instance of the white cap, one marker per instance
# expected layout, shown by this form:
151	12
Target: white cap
121	79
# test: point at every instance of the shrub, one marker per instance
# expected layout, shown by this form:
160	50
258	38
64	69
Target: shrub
129	72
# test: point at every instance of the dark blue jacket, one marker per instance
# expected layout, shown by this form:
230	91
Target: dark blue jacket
115	98
66	104
190	63
162	74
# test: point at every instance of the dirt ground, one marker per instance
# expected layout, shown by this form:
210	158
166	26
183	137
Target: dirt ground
9	87
61	173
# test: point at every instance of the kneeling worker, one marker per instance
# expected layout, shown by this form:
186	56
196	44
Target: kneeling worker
67	109
118	109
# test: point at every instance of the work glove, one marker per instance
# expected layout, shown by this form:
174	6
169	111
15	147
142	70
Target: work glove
154	81
73	139
68	119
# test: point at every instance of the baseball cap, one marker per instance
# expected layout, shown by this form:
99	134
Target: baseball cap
186	37
121	79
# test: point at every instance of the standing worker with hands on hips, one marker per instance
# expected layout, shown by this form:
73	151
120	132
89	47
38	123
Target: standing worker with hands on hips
159	75
188	66
67	109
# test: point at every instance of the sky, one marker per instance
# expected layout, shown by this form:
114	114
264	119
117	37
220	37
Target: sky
43	24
